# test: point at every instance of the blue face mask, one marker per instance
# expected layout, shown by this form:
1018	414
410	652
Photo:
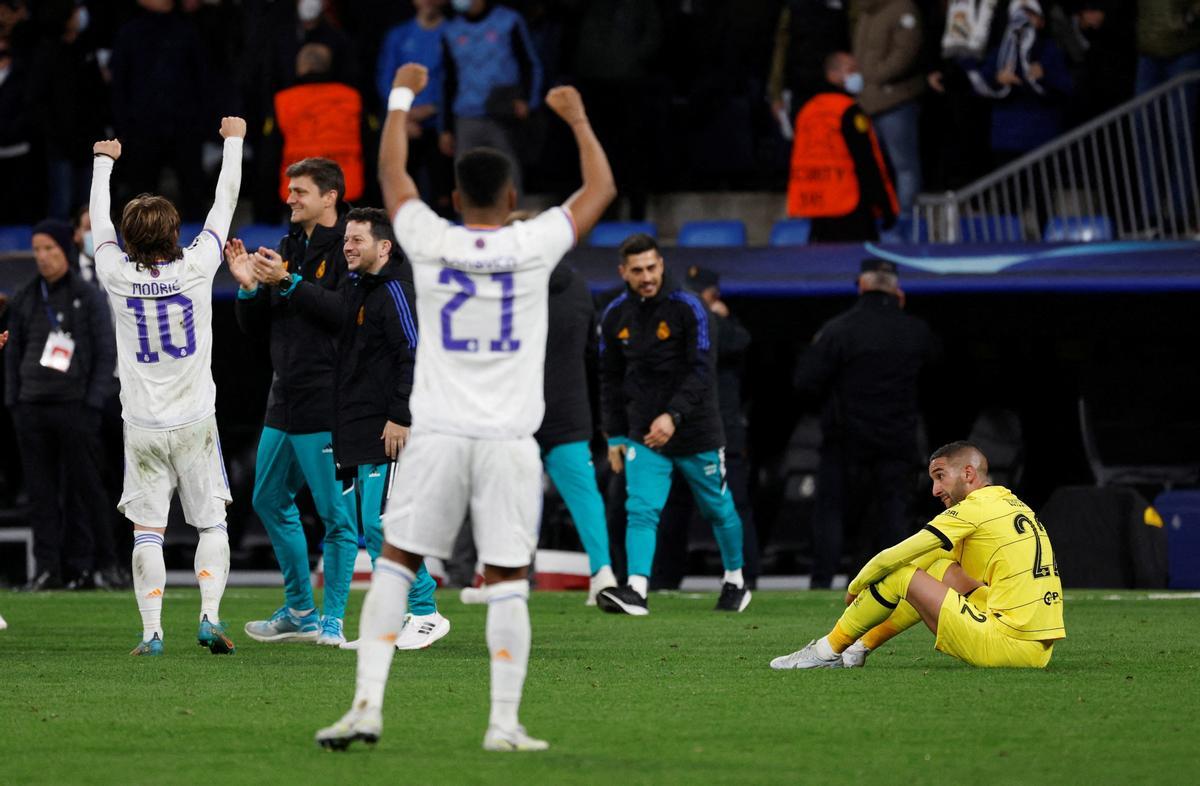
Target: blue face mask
853	83
89	245
83	19
461	6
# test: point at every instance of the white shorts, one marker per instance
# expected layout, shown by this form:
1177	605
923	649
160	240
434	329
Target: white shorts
159	462
440	475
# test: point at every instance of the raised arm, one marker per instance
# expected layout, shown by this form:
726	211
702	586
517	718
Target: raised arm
397	185
229	182
588	204
105	155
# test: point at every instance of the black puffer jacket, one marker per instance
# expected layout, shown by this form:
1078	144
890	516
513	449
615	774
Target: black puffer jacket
570	361
303	342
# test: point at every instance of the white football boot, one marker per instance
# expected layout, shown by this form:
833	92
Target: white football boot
421	631
365	725
855	656
511	740
817	655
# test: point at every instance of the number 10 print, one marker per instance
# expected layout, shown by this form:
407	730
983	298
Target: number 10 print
467	290
145	354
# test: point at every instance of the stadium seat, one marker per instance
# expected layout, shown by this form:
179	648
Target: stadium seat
791	232
990	229
189	231
1179	513
699	234
610	234
1078	229
256	235
16	238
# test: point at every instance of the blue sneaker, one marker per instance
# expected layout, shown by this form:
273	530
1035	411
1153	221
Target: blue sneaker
331	632
285	626
151	647
213	636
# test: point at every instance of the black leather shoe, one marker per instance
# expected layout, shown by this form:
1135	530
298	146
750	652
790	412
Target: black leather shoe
43	581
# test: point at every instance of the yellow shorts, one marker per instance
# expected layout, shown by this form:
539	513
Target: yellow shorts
975	637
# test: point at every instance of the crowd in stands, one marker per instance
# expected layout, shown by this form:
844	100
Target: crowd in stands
685	94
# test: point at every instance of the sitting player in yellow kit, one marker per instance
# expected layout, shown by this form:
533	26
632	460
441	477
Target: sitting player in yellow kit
985	535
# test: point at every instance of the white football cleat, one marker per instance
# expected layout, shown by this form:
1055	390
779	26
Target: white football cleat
419	632
817	655
471	596
349	645
604	579
855	656
358	724
3	624
511	740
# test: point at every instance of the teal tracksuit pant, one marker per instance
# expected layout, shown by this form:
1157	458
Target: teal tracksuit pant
648	481
371	489
570	467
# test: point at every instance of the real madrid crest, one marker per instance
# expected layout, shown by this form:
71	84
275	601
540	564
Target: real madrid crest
321	269
361	311
663	332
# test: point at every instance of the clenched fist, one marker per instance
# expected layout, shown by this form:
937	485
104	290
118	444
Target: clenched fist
107	147
233	127
567	104
414	76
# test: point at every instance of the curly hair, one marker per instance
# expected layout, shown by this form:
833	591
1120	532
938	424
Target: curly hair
150	228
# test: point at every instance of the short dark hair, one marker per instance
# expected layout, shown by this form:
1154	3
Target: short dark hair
150	229
952	449
325	173
481	176
636	244
381	228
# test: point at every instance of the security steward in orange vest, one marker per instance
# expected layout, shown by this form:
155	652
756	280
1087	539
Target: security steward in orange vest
839	177
319	118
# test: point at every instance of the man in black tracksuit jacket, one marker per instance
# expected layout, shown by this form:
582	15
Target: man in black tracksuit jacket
295	448
660	411
373	378
864	365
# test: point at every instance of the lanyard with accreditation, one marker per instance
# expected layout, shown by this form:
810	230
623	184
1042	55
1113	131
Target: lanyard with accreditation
60	347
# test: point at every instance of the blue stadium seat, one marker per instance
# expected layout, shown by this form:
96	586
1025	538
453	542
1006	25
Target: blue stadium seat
712	234
989	229
610	234
1078	229
255	235
1180	514
16	238
791	232
189	231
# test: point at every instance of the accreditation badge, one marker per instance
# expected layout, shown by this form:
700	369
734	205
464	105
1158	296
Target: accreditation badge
59	350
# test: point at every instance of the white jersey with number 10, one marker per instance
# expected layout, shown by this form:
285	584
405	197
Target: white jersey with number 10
163	319
482	305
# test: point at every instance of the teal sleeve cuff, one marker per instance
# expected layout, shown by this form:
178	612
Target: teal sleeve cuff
247	294
291	285
614	442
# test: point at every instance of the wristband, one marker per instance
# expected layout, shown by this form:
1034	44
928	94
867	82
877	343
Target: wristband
401	98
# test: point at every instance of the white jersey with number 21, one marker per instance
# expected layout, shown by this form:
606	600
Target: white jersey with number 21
482	306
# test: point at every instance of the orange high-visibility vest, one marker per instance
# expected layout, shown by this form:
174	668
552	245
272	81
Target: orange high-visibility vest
823	182
322	120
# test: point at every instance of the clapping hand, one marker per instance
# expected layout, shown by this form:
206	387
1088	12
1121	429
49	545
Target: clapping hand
268	266
240	263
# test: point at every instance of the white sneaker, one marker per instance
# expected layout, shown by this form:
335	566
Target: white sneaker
817	655
365	725
511	740
603	579
855	656
3	624
419	632
349	645
470	596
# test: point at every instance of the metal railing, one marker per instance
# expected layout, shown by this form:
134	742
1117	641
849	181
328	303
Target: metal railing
1127	174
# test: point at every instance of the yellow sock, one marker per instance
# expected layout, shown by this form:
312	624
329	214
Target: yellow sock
903	617
871	607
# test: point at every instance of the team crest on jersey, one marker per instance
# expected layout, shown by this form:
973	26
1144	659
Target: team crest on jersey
361	310
154	271
321	270
663	332
624	334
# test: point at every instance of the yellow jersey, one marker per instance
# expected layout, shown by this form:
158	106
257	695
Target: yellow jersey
998	540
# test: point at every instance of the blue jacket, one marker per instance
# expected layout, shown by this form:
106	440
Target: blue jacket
483	54
411	43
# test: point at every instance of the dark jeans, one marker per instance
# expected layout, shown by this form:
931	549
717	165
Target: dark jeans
675	525
61	456
873	490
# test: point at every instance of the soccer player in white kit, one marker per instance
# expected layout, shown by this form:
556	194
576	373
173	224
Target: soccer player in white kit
482	292
161	296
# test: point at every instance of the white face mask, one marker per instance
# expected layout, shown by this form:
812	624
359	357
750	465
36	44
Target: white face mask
309	10
89	245
853	83
461	6
82	19
4	72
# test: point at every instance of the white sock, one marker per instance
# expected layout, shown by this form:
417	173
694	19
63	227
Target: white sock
508	639
149	580
212	570
734	577
639	584
382	618
824	648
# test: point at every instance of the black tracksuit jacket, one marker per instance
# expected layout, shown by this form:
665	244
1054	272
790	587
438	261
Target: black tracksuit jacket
303	343
657	355
570	361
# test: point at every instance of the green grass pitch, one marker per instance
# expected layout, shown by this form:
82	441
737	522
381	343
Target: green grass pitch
681	696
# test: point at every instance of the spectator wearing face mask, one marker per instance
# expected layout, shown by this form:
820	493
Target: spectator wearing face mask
838	175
